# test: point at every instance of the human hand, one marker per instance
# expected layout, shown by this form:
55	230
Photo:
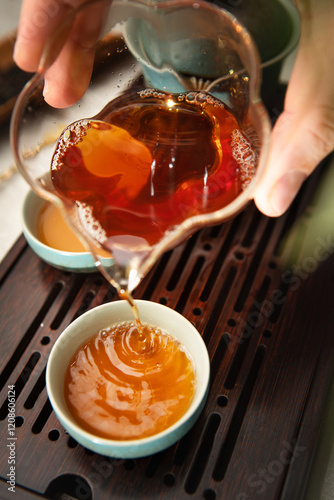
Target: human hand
304	133
68	78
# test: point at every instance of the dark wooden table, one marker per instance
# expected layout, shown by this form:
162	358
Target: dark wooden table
269	330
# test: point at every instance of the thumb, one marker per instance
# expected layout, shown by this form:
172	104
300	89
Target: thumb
304	133
299	142
294	153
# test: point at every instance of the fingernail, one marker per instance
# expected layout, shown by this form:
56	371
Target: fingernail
46	89
285	190
15	51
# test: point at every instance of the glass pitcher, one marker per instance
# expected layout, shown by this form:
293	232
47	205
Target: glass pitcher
180	65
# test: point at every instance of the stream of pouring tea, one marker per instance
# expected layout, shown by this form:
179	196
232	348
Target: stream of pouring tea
148	161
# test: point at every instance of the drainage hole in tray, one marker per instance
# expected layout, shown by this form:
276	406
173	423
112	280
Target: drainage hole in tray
19	421
54	435
239	255
222	401
267	333
72	443
169	479
69	485
209	494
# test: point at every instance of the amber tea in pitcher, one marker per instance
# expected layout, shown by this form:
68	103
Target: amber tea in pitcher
148	161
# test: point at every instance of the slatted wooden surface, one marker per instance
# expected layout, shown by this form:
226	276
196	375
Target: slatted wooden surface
269	330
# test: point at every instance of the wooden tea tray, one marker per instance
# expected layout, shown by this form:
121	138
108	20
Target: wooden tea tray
269	329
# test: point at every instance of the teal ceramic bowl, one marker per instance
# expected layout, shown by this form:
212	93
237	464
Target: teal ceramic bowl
273	25
288	28
82	262
101	317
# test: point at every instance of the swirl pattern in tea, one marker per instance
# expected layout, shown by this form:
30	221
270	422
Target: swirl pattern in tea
123	384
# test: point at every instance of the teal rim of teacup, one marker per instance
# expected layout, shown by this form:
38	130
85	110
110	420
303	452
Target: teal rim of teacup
82	262
82	329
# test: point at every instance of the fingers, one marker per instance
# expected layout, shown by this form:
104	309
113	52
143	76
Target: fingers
68	77
38	19
298	143
304	133
294	154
